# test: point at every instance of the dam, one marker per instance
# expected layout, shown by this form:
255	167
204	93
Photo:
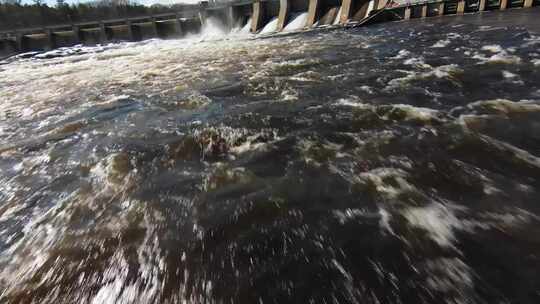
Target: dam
319	13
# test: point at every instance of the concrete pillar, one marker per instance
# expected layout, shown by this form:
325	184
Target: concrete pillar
504	4
50	39
353	9
482	6
528	3
229	11
362	12
381	4
154	26
77	33
329	17
178	24
203	5
19	41
313	12
257	16
102	33
440	11
375	5
346	11
202	17
130	30
407	14
460	7
424	11
283	14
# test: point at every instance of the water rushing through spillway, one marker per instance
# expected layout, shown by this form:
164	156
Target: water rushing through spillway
398	163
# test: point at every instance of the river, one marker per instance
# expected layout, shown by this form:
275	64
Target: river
395	163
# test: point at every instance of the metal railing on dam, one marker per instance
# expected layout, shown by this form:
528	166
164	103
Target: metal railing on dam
238	13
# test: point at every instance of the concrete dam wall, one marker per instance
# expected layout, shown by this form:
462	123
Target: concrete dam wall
263	16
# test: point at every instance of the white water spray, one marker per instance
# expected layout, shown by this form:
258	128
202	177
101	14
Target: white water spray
270	27
241	28
213	29
336	21
370	7
298	22
247	27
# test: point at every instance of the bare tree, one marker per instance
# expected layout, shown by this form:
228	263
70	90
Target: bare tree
11	2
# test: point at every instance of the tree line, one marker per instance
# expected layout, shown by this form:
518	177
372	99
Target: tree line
14	14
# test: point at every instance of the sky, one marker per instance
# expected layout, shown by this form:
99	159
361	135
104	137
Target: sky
145	2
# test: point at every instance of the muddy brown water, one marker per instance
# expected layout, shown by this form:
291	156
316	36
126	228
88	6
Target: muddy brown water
397	163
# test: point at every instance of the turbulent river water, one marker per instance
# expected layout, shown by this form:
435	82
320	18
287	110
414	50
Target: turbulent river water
396	163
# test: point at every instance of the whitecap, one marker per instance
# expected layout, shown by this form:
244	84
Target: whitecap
350	103
437	220
401	54
441	43
492	48
418	62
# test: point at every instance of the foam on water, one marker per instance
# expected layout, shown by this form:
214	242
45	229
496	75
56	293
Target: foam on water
497	55
441	44
492	48
401	54
441	72
437	220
